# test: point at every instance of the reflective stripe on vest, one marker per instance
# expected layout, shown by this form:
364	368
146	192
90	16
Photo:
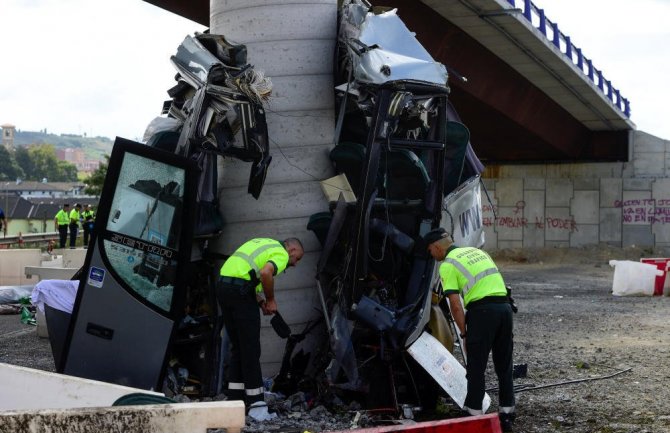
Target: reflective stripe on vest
254	391
472	279
250	259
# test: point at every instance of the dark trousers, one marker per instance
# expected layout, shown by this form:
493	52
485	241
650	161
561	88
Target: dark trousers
87	232
242	319
62	235
489	328
73	234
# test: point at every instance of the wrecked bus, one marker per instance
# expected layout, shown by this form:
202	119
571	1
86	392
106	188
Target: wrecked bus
405	166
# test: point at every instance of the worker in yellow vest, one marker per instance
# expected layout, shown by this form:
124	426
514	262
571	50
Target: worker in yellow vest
246	274
75	216
487	325
61	222
88	217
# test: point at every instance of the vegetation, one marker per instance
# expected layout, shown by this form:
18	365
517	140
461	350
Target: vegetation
95	182
35	163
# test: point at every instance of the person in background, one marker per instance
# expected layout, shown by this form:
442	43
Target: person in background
487	325
61	222
88	217
3	222
247	273
75	217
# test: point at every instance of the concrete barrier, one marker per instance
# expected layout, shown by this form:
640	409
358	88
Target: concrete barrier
13	261
163	418
49	273
29	389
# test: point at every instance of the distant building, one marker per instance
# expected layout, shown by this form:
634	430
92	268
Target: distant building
35	215
45	190
78	158
8	132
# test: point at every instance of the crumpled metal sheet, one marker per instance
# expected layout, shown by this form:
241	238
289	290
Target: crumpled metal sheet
390	52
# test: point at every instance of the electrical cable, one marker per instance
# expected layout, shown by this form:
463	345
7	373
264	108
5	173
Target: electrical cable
588	379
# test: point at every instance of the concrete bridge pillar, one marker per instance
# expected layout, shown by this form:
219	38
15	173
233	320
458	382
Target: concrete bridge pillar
292	43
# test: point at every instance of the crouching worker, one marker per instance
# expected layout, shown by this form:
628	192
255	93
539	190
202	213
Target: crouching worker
248	273
486	327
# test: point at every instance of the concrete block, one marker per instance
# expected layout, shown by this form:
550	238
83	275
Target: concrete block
49	273
533	237
644	142
490	185
558	224
510	224
649	164
293	164
584	207
637	235
490	238
509	192
534	205
164	418
628	170
610	192
585	234
534	183
586	183
29	389
13	262
509	244
300	128
558	244
637	184
667	163
559	192
610	225
637	207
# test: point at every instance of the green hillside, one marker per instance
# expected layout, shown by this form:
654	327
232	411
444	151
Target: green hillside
93	147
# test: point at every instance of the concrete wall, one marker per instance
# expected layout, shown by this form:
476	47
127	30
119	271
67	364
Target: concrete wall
293	43
574	205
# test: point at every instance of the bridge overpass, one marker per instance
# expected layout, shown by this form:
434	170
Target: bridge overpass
531	95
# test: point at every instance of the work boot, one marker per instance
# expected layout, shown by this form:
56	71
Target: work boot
506	422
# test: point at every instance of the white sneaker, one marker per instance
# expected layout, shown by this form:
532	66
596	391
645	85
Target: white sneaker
259	411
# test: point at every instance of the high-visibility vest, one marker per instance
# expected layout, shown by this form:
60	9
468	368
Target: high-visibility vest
252	256
62	218
87	214
74	216
473	273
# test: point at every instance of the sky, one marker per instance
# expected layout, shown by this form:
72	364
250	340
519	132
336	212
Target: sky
102	67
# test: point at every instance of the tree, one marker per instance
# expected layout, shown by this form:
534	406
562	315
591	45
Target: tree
40	161
96	180
9	169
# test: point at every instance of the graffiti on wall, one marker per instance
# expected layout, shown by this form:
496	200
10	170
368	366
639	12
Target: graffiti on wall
644	211
517	221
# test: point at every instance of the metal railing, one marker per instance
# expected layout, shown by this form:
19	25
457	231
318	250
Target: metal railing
536	17
27	238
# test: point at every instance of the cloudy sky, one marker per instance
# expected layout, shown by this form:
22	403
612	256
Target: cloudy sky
102	67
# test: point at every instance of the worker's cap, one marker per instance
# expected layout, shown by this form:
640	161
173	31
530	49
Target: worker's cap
435	235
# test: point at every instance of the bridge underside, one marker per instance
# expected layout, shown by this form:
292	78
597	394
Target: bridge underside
511	120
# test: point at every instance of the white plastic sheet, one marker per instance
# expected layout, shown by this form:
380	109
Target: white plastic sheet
58	294
633	278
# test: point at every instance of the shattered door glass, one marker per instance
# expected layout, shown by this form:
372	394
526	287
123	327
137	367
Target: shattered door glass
145	226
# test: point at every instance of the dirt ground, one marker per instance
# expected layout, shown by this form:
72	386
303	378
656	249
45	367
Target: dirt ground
569	327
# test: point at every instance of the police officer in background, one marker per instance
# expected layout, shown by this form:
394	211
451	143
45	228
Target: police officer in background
88	217
246	274
75	217
486	327
61	222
